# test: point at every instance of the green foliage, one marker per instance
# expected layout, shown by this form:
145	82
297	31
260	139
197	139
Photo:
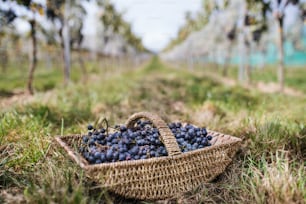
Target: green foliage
191	25
26	3
114	22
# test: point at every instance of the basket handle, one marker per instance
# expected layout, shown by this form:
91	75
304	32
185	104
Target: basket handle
166	135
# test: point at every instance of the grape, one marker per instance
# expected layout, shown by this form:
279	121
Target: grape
102	130
100	137
134	150
183	129
91	159
123	128
90	127
128	157
201	146
198	139
103	157
152	147
98	161
85	139
171	125
109	154
140	142
115	155
97	155
204	132
204	141
191	131
121	156
91	142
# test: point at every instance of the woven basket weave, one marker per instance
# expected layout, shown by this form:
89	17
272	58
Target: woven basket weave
161	177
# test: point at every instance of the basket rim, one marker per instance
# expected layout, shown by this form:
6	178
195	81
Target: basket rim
80	160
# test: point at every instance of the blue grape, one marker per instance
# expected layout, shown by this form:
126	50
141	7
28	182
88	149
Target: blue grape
122	157
91	142
90	127
97	155
123	128
204	131
140	142
115	155
134	150
102	130
109	154
103	157
98	161
204	141
91	159
191	132
85	139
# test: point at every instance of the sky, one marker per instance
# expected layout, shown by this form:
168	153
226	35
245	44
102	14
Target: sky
156	21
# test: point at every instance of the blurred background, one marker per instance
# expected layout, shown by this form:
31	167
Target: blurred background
229	36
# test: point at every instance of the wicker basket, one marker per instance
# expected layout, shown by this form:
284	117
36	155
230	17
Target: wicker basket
161	177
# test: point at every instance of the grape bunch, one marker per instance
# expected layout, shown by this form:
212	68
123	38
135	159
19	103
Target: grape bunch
190	137
141	142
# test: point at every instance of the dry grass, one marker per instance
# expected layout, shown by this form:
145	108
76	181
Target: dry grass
276	179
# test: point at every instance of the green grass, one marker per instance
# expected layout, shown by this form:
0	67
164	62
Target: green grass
294	76
45	78
41	173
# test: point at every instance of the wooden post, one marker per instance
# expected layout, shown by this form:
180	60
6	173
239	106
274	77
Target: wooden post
33	62
66	43
280	45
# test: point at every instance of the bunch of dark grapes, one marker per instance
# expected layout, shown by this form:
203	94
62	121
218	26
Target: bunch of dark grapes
141	142
190	137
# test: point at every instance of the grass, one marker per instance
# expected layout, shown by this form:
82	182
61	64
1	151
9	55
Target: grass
18	73
277	181
273	128
294	76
